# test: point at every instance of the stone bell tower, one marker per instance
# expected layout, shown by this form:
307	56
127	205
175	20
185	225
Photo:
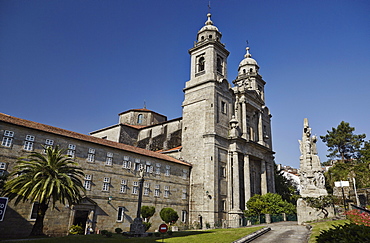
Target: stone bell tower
207	109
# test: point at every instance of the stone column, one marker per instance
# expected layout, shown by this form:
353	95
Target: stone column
236	183
244	119
263	178
260	128
230	181
247	179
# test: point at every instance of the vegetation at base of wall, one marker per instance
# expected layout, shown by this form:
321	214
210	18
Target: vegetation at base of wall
269	203
323	225
76	230
103	232
356	217
118	230
345	233
320	203
147	225
169	215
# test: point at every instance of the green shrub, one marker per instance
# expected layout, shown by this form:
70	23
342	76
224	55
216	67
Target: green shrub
147	225
118	230
345	233
109	234
169	215
169	232
157	234
76	230
103	232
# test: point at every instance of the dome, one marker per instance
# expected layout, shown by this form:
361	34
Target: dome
208	25
248	60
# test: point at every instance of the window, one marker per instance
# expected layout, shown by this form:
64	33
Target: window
183	216
2	166
35	208
219	64
71	150
123	186
223	171
158	169
223	205
140	119
167	173
156	191
120	213
87	182
28	144
109	160
8	133
106	184
201	64
135	187
184	174
166	191
49	142
126	164
223	107
183	194
8	138
146	188
91	155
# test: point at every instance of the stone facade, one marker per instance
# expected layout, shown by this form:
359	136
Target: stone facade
111	179
225	133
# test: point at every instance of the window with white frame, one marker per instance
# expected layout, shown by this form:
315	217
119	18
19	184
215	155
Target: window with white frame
183	194
184	174
146	188
148	167
158	169
166	191
109	159
91	155
71	150
126	163
123	188
106	184
137	165
156	191
87	182
184	214
2	166
48	143
8	133
120	214
135	187
167	172
28	143
35	208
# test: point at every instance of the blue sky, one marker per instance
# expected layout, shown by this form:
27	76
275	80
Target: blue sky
76	64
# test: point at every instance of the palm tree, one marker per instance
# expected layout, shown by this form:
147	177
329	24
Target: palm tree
45	178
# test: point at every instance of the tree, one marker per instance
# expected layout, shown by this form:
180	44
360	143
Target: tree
269	203
285	187
169	215
320	203
46	179
342	143
147	212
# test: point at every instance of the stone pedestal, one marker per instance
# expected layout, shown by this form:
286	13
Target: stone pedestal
306	213
235	218
137	227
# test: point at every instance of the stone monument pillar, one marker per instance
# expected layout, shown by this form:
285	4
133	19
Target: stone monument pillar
312	180
137	228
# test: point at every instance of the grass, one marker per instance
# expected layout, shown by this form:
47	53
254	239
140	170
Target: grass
200	236
317	227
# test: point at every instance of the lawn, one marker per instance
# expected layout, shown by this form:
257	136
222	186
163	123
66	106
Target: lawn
317	227
199	236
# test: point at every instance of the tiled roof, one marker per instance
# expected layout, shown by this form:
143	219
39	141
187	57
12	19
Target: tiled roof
142	110
169	150
46	128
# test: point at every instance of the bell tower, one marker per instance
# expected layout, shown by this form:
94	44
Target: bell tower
207	110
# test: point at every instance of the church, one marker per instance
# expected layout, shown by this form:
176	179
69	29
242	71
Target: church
205	165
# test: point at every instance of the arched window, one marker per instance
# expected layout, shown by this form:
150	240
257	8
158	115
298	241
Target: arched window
219	64
201	63
140	118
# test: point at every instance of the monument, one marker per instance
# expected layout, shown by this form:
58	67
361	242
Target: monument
137	228
312	179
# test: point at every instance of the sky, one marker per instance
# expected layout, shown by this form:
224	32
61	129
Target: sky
76	64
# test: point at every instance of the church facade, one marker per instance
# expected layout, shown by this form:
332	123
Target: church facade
224	133
206	164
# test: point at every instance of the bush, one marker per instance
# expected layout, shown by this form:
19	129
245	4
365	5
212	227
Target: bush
109	234
169	215
169	232
345	233
103	232
118	230
157	234
147	225
356	217
76	230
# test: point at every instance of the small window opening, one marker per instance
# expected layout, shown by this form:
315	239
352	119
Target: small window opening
140	118
201	64
210	36
219	64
